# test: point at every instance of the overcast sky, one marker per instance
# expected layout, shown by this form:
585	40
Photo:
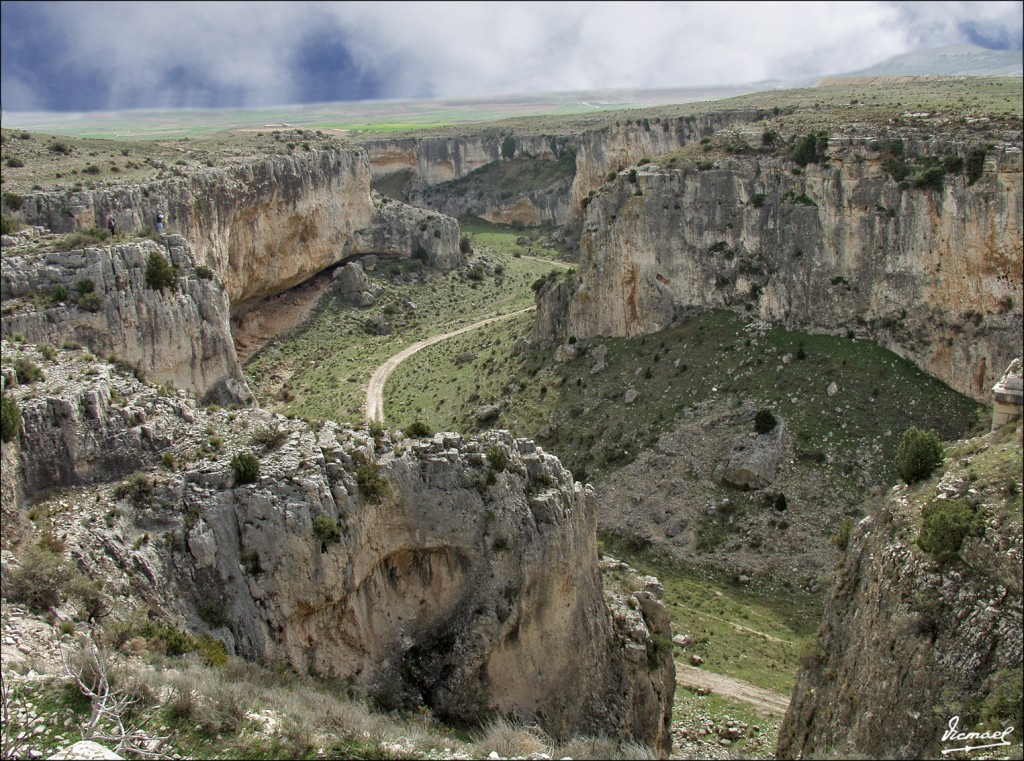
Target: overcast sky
88	56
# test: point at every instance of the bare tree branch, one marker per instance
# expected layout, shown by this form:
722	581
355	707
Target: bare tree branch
109	706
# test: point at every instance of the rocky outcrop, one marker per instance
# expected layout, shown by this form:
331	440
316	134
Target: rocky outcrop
613	148
835	248
266	225
506	177
753	459
910	644
457	574
100	298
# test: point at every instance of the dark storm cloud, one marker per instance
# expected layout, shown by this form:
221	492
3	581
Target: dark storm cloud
116	55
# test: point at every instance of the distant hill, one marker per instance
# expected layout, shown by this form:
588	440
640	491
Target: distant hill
950	61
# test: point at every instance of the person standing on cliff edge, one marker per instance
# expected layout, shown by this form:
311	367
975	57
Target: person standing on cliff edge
159	221
111	225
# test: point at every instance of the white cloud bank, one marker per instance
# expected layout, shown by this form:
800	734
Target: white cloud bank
146	54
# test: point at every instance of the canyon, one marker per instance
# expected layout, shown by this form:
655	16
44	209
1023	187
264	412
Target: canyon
461	573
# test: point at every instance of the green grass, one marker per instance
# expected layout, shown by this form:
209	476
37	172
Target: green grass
710	357
516	176
327	362
748	633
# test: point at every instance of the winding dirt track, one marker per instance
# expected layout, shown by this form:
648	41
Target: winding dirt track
769	701
375	390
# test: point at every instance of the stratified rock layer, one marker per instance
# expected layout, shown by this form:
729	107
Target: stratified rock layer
267	225
458	574
934	276
179	334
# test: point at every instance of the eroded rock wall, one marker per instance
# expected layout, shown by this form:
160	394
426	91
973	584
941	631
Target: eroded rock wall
178	335
908	642
457	574
936	276
438	172
265	225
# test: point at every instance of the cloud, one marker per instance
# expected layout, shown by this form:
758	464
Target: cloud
115	55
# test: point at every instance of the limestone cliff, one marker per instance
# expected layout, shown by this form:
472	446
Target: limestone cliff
265	225
910	640
178	335
934	275
457	574
506	176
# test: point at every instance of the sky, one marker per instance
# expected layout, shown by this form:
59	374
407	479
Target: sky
102	56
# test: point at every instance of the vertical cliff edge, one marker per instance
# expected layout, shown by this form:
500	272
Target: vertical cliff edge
922	630
932	272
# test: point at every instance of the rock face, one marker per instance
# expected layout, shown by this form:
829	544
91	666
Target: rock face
268	225
908	642
834	248
753	459
528	179
178	335
451	573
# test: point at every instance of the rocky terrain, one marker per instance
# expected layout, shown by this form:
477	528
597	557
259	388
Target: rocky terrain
457	575
105	299
444	573
912	638
838	246
268	224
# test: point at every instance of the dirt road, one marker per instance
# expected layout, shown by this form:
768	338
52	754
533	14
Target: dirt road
375	390
766	700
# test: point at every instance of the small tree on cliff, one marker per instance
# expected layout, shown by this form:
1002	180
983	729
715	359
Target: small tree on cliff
918	454
159	272
10	419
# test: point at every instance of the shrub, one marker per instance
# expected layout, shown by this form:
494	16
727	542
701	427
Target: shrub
326	530
60	293
418	430
975	164
84	286
780	503
764	421
945	524
10	418
465	245
204	273
159	272
27	370
138	487
372	484
90	302
269	436
246	467
806	150
59	147
13	201
1004	703
40	580
9	225
508	147
930	179
15	163
211	650
841	538
213	614
918	454
757	200
953	163
497	458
